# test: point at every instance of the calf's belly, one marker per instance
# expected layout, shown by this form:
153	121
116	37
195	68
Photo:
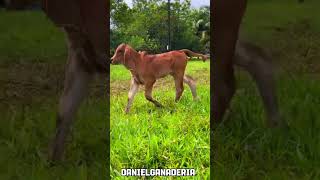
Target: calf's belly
160	73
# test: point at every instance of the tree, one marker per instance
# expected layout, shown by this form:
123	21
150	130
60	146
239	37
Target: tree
144	26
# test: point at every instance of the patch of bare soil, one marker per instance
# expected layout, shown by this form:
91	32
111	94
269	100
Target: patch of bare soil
296	48
29	82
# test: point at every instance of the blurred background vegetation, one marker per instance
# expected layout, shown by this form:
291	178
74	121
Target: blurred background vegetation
145	25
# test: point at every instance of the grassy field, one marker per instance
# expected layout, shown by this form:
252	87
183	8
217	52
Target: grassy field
244	147
176	136
32	59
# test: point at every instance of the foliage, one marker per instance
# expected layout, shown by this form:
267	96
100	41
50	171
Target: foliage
144	26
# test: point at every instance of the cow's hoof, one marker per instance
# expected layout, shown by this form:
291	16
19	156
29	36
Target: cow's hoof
159	105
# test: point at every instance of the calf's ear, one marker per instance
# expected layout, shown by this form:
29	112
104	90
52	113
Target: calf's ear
127	54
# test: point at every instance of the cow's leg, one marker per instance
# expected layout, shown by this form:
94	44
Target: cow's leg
257	63
148	92
227	17
224	89
134	87
192	85
178	81
75	89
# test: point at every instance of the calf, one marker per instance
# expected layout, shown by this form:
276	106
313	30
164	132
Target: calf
146	69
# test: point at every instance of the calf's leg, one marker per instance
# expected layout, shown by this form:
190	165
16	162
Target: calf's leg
148	93
192	85
178	80
227	18
75	90
254	60
134	87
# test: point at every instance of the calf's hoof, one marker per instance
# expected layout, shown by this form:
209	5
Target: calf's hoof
55	155
158	105
196	98
277	122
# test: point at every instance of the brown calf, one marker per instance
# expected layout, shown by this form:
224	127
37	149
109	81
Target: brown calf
146	69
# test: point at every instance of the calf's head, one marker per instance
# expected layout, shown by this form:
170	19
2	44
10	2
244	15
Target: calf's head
123	54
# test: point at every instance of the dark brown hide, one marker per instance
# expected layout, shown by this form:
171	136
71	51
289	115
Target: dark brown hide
227	15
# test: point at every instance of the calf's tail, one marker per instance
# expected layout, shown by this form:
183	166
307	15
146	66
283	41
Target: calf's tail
193	54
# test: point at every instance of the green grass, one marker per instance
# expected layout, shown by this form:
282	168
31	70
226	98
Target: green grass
290	31
176	136
28	36
26	131
244	147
